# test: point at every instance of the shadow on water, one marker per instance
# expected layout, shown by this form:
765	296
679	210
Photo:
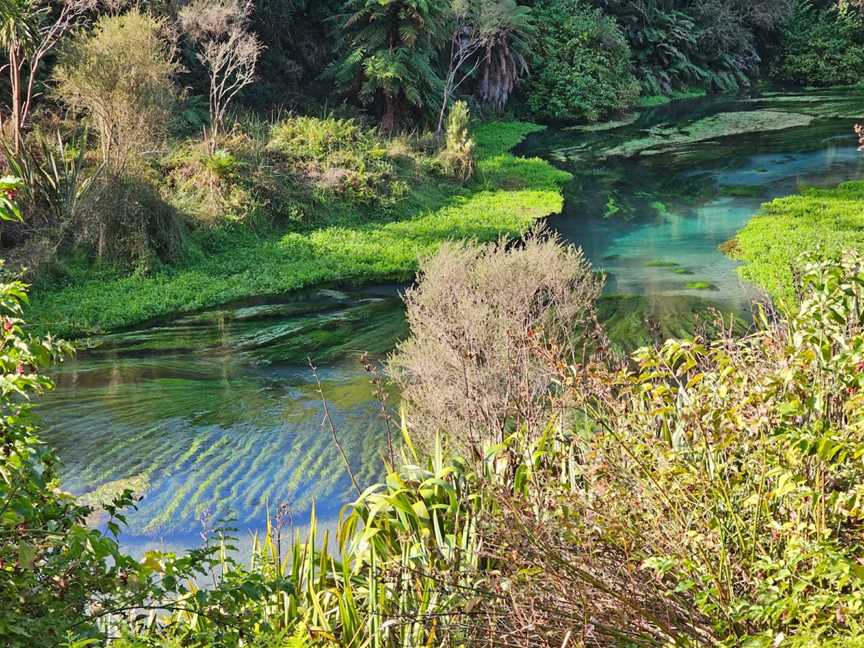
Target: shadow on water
216	413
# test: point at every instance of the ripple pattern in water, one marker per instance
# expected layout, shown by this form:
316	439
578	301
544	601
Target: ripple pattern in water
218	413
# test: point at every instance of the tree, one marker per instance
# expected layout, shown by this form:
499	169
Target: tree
390	54
29	30
229	51
488	37
120	75
505	27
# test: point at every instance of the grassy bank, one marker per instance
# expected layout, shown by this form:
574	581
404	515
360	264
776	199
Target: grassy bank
233	262
826	221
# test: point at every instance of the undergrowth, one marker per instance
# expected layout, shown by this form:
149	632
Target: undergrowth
363	243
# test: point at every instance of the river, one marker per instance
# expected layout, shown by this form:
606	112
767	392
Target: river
215	417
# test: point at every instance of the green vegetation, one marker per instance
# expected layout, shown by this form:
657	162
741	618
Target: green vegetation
652	101
610	494
701	285
664	139
822	220
507	197
582	70
551	481
822	45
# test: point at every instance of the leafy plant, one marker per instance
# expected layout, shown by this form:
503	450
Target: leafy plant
55	174
581	64
457	158
389	60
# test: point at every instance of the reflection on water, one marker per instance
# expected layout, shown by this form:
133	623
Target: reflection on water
216	413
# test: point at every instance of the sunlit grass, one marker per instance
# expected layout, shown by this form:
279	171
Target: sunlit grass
507	197
822	220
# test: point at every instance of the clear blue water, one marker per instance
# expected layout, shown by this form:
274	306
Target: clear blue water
215	414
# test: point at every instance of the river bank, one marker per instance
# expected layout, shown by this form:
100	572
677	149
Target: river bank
508	195
821	221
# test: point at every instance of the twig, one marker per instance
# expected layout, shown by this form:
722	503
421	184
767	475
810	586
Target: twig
328	420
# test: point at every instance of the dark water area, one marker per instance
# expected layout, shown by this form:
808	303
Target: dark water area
216	415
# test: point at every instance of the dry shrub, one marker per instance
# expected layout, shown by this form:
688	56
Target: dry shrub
557	585
477	316
227	49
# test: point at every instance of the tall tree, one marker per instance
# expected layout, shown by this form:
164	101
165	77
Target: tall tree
489	40
389	60
227	48
29	30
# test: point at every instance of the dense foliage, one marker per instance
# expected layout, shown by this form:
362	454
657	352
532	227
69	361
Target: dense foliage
546	490
582	66
142	82
821	46
705	492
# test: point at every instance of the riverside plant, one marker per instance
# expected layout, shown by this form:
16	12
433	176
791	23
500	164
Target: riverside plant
708	493
727	468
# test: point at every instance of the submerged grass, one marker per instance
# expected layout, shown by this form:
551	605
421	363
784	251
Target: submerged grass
233	262
665	139
826	221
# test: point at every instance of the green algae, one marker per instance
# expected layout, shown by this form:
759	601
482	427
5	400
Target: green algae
653	101
659	263
634	321
742	191
664	139
600	127
701	285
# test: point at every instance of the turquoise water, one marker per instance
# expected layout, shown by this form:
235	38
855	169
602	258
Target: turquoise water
215	415
654	221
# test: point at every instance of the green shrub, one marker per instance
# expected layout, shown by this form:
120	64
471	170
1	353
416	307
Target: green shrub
52	566
337	156
821	47
457	158
221	163
121	77
580	65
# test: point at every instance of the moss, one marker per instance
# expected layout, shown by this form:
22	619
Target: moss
682	271
824	221
234	262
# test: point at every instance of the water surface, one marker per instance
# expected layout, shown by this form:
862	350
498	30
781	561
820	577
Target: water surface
216	415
